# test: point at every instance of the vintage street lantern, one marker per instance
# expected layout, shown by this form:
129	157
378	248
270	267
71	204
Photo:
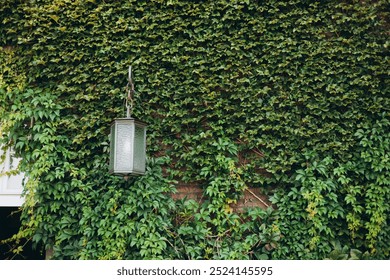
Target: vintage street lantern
128	141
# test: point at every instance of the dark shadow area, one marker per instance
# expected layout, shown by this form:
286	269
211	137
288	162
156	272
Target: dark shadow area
9	225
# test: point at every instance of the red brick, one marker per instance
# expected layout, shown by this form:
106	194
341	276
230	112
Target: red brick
253	197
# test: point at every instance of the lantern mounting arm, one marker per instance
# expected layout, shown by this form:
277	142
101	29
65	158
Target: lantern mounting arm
130	94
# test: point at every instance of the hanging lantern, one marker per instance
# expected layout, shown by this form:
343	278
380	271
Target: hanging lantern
128	147
128	141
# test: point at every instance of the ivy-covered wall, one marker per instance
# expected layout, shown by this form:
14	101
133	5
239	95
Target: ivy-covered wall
287	96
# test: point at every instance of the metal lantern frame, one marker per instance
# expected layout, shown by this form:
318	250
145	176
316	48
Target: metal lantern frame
128	147
128	141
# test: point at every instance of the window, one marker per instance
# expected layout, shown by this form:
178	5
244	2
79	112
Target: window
10	185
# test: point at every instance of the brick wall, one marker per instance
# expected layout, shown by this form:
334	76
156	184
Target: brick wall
252	196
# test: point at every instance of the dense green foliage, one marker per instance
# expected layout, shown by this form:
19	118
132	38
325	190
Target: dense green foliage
288	96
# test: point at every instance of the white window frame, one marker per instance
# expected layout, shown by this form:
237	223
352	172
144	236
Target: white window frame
11	187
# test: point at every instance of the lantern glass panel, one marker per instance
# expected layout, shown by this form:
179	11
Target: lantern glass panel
139	148
124	149
112	148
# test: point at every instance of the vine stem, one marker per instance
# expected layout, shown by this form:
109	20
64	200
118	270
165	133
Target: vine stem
258	198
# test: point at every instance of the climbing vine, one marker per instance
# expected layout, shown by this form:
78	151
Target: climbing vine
287	96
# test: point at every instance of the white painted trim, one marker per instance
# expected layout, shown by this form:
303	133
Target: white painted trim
11	200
